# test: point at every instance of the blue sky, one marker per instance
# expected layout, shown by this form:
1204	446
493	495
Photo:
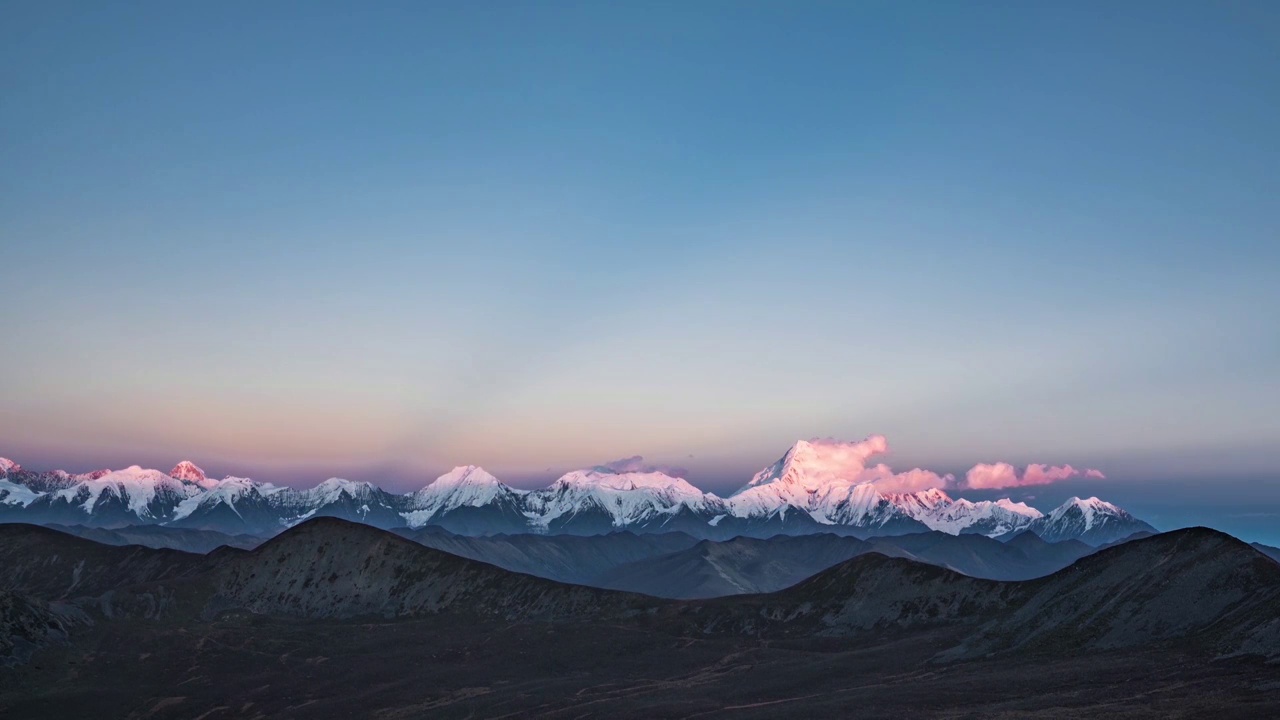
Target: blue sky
319	238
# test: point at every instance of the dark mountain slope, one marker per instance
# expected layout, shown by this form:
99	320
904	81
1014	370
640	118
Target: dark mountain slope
161	536
1061	553
1269	551
53	565
26	624
733	567
747	565
331	568
1022	558
1194	587
565	558
1187	584
869	592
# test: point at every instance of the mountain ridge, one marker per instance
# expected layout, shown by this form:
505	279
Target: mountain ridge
804	492
1195	585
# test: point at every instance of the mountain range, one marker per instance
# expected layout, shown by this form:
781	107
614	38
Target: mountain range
335	619
802	493
1171	585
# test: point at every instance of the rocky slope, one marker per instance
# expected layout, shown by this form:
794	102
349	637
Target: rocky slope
329	568
27	624
53	565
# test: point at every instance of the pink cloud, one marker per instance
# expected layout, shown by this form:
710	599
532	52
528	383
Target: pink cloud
993	476
830	459
886	480
823	461
1036	474
998	475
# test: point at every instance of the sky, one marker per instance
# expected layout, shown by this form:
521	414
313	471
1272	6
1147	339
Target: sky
378	240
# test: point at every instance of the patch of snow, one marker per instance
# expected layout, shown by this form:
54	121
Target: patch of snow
15	494
227	491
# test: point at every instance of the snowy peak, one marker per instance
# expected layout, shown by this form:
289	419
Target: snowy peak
229	491
471	476
463	486
333	489
9	467
147	494
1089	511
923	502
1018	508
818	464
622	499
188	471
824	478
602	477
1091	520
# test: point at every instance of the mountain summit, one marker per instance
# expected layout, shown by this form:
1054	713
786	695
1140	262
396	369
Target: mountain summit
190	472
1091	520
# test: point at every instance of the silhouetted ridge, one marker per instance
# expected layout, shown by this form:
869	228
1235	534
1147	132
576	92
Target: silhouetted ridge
54	565
328	567
1195	585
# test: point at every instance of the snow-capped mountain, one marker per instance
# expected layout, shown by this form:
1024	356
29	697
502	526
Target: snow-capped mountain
188	471
469	501
818	486
233	505
1092	521
43	481
820	482
122	497
937	511
599	500
464	486
361	502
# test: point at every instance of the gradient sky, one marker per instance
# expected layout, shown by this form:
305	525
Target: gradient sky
298	240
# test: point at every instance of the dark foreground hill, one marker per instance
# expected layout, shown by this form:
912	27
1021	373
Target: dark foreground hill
53	565
27	624
675	565
161	536
333	619
330	568
1196	587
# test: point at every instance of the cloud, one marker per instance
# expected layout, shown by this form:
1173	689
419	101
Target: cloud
636	464
849	454
915	480
823	461
994	476
833	459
